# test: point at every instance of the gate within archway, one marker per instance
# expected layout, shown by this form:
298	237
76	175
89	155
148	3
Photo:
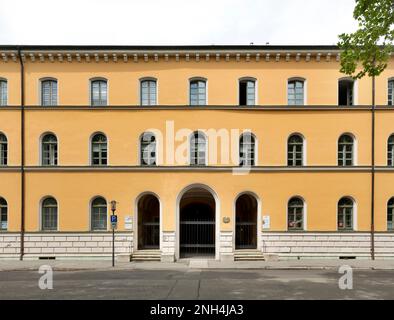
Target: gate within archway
197	223
246	222
148	222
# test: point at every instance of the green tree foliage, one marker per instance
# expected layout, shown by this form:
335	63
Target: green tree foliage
371	44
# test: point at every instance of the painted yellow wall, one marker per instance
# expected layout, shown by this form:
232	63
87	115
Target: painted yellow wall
73	128
124	127
123	81
321	191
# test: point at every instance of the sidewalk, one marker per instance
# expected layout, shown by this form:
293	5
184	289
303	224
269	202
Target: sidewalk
84	265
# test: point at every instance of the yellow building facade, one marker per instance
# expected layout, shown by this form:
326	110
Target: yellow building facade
226	152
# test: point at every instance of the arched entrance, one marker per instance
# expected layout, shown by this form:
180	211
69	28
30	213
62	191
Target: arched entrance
148	222
246	222
197	209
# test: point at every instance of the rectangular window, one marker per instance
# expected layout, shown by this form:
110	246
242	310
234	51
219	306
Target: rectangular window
345	155
148	93
49	93
198	93
3	218
3	93
345	92
247	93
99	93
3	154
391	93
295	92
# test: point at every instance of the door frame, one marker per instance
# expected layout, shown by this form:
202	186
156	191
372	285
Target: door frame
217	217
259	217
136	215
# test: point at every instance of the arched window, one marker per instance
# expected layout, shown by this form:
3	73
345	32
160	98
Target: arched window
99	214
49	150
148	149
390	98
247	150
295	92
345	214
3	214
3	150
345	150
49	92
247	92
346	92
295	150
295	214
98	92
198	92
390	151
49	214
99	150
390	214
198	146
3	92
148	92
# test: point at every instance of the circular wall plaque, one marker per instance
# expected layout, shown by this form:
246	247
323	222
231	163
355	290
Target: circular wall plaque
226	219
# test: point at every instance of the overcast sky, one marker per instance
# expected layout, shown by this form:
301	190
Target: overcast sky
150	22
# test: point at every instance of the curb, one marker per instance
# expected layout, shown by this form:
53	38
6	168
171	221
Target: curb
132	268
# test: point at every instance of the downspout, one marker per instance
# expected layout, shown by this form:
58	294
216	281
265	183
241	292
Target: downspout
22	243
373	172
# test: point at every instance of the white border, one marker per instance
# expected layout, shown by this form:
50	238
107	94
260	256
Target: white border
90	213
41	80
90	159
40	214
259	217
139	89
40	149
90	91
136	215
217	217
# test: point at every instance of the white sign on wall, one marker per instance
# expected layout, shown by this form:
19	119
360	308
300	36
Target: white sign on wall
266	222
128	222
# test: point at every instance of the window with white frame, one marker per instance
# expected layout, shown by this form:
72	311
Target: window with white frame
390	99
99	214
198	92
346	92
49	150
247	92
49	214
295	92
3	214
198	146
98	92
390	214
3	93
345	214
390	151
148	92
99	155
3	150
247	150
148	149
295	214
295	151
345	150
49	92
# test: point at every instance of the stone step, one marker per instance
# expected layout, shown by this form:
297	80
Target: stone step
248	255
145	258
249	258
146	255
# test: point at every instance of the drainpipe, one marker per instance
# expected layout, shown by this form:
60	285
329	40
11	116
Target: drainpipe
373	172
22	247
